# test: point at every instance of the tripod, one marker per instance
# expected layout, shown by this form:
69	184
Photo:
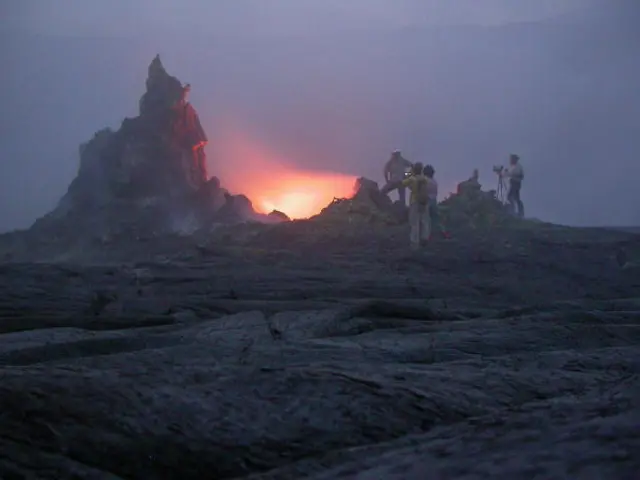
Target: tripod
501	190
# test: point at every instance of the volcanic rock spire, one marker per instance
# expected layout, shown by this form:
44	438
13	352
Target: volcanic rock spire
147	178
156	158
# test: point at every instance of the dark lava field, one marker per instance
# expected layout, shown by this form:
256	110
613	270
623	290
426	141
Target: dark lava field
302	350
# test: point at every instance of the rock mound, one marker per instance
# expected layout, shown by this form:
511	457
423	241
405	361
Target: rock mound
236	209
474	208
368	204
278	216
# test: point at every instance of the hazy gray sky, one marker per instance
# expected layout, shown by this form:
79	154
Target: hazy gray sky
563	95
246	17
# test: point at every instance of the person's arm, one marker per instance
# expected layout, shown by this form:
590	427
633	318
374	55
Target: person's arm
406	182
387	172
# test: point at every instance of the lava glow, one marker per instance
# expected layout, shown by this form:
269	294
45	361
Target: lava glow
273	184
299	194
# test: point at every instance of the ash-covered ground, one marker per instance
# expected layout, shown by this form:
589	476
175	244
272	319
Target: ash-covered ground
319	350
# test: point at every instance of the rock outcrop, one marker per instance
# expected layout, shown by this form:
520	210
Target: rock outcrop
156	155
470	186
149	176
236	208
474	208
276	216
368	204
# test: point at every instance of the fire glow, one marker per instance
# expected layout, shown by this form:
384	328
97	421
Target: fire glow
273	184
300	194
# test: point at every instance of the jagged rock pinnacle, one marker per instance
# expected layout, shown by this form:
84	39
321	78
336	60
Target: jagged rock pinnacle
149	176
162	90
156	158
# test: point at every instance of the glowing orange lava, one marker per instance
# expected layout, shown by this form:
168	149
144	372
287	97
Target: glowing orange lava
273	184
299	194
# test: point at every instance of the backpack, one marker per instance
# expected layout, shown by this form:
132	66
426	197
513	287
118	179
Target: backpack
422	191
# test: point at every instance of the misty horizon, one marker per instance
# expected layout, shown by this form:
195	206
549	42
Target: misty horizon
254	18
457	94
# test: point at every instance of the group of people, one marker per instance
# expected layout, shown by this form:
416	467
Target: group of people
401	174
424	219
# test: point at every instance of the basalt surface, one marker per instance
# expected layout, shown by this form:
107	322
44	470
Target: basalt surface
321	350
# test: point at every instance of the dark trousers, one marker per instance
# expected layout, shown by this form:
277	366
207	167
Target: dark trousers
513	197
402	194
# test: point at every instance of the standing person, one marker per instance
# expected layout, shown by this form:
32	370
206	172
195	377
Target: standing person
394	172
515	173
419	220
434	214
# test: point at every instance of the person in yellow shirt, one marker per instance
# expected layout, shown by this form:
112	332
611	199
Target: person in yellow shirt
419	219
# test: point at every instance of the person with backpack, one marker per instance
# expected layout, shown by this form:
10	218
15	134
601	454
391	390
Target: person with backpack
419	220
434	214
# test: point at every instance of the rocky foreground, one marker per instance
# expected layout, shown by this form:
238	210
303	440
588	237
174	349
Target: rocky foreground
297	352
